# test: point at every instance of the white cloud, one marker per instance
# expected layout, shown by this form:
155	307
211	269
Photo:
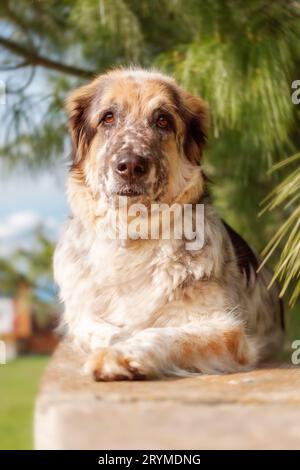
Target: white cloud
17	230
18	223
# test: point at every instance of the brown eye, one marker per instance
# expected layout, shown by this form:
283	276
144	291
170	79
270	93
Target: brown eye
108	118
162	121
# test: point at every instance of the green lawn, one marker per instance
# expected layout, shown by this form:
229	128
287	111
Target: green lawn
18	386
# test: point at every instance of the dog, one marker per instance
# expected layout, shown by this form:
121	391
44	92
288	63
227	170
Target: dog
149	308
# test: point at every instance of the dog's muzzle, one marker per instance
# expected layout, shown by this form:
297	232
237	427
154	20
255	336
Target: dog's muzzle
132	171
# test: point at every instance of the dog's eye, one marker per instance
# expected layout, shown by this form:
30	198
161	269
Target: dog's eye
162	121
108	118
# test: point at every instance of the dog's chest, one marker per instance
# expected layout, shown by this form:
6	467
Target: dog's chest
123	283
136	280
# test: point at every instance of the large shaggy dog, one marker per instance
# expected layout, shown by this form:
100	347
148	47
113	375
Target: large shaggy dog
150	307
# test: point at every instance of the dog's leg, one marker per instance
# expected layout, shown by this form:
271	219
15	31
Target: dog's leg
207	347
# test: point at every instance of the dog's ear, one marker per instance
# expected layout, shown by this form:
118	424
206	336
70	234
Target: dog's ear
78	107
196	118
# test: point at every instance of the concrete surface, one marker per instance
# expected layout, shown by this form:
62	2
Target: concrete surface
253	410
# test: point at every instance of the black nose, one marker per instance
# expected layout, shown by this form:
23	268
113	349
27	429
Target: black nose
132	167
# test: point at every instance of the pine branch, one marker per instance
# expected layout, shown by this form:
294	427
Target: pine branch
33	58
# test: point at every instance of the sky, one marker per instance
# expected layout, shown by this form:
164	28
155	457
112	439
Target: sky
27	201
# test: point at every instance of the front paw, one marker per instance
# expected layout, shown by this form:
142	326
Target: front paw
109	364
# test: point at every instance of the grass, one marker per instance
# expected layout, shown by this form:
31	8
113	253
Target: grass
18	386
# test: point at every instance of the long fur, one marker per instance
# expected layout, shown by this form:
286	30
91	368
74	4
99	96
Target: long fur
150	308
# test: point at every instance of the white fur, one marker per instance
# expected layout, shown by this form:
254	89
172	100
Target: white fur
129	297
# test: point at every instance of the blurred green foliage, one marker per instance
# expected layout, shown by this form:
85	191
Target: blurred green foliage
286	195
32	267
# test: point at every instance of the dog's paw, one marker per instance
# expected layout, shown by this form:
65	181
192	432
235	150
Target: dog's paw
108	364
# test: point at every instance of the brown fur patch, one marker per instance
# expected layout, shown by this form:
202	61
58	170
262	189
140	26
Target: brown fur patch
235	343
193	347
185	353
195	115
214	347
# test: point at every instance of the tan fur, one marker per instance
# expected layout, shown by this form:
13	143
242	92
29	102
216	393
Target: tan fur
150	308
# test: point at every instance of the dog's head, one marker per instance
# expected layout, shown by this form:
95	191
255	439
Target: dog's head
137	133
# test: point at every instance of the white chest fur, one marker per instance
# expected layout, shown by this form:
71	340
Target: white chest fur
115	286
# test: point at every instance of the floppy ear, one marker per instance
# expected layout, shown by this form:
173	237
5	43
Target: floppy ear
78	106
197	121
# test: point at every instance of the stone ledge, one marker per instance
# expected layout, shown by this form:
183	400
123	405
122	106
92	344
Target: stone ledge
252	410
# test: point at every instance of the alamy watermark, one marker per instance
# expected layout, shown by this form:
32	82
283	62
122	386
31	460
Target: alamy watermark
295	358
2	353
296	93
158	221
